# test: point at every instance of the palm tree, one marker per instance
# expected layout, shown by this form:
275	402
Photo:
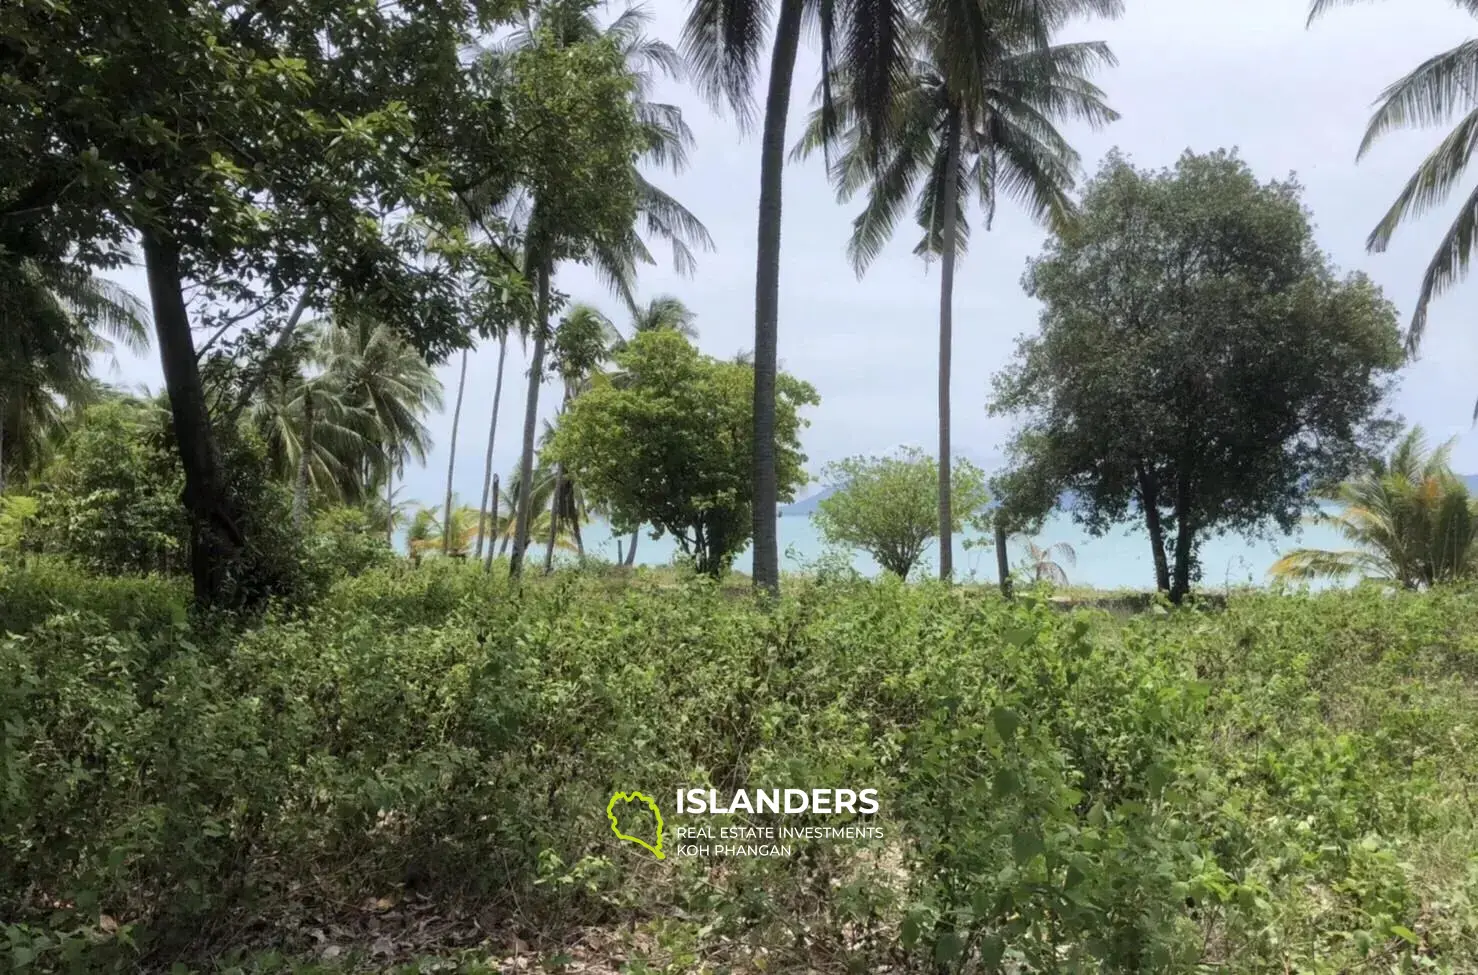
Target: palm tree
1432	94
663	312
451	465
666	140
53	319
488	477
581	346
393	389
1411	519
316	437
428	534
1046	563
984	128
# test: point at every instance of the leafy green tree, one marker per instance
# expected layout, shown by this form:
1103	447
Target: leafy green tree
963	123
1436	91
669	446
1207	399
1411	519
258	153
889	506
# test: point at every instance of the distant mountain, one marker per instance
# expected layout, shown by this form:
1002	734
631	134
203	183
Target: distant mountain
807	505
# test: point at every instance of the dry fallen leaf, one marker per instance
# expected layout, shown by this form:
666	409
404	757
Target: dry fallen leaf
108	924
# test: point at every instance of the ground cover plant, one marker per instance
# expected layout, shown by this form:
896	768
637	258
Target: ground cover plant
419	768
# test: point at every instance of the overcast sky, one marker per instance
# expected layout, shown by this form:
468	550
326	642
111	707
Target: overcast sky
1192	74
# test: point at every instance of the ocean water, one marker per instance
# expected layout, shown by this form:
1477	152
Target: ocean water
1119	559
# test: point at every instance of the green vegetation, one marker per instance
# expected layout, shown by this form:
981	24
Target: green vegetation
1411	519
1286	784
887	506
665	442
240	733
1203	401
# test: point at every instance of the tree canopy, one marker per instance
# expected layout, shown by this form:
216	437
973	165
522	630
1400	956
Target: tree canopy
888	506
1198	362
669	445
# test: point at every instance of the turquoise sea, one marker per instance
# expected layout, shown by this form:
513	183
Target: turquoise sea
1120	559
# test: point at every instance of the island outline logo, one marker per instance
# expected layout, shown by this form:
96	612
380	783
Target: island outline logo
616	827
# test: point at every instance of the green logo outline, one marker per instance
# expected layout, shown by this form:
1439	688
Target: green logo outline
651	804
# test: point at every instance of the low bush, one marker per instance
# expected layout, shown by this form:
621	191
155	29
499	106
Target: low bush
1283	785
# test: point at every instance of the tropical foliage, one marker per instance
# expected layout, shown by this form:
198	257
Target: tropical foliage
887	506
1411	520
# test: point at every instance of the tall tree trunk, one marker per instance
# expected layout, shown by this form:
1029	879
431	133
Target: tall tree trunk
390	506
487	467
950	204
1185	533
1003	564
1149	500
215	538
631	552
3	418
305	460
487	565
530	423
554	499
767	295
451	464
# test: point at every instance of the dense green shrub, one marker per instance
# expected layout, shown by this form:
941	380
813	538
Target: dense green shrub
1286	785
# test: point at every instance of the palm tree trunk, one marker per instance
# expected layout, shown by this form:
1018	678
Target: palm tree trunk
767	295
487	565
1003	565
487	469
559	484
390	507
305	459
631	552
950	204
530	422
214	536
451	465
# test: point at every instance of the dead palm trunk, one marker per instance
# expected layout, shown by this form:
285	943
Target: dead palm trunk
305	459
451	466
530	422
215	538
767	295
950	204
487	470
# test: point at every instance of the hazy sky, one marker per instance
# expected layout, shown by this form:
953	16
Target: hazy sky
1192	74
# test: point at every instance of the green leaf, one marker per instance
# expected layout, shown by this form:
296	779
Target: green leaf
1007	783
992	950
910	933
948	947
1405	933
1006	722
1026	845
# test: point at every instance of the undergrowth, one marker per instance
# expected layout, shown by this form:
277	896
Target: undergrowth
1283	785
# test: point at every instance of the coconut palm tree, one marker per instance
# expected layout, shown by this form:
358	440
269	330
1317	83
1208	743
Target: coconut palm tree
392	386
1435	92
315	436
1046	563
582	345
666	140
1412	521
663	312
54	318
952	132
451	465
